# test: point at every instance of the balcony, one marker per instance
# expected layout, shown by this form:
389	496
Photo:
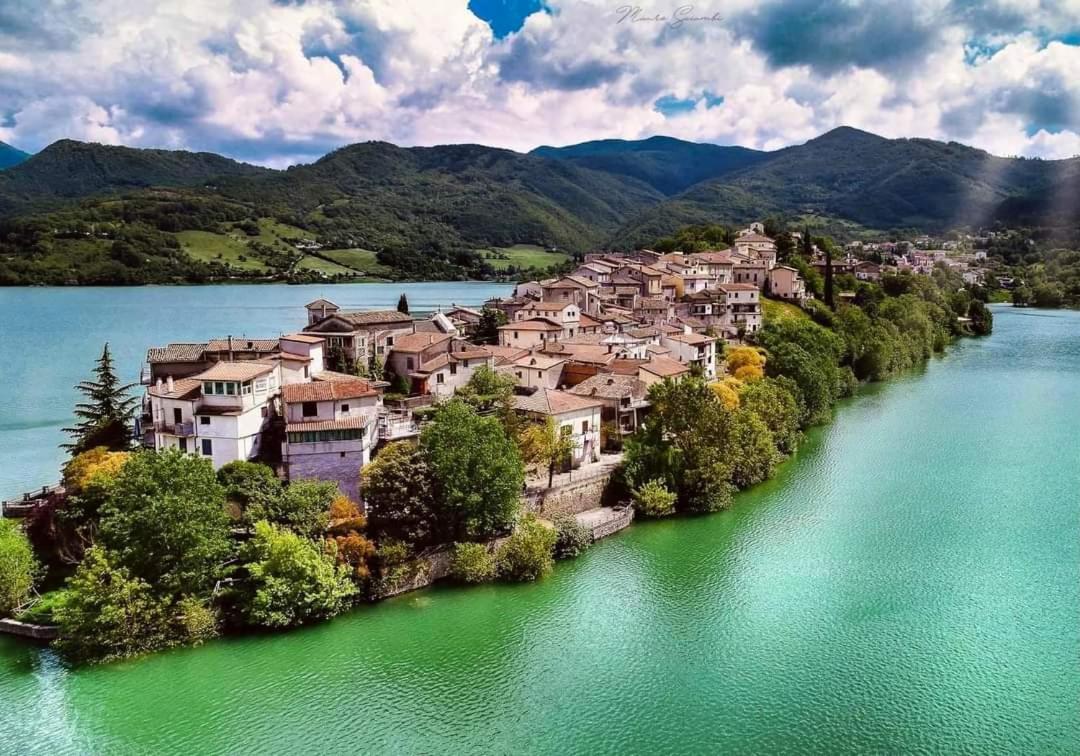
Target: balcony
393	427
181	430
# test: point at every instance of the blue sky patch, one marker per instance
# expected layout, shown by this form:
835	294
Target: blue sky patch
670	105
505	16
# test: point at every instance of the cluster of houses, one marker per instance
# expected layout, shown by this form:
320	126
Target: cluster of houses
920	257
582	350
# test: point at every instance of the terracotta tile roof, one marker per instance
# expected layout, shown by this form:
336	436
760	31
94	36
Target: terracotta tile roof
243	345
441	360
318	304
753	238
347	423
656	349
418	342
326	391
551	402
652	303
472	353
538	361
694	339
619	279
504	354
587	321
571	281
303	338
532	324
184	388
712	258
548	306
665	367
643	333
375	317
626	366
235	371
176	353
333	375
737	287
611	386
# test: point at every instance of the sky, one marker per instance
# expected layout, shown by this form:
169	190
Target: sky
278	82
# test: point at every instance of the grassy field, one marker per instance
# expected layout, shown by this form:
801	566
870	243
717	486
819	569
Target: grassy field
522	256
363	260
224	248
774	309
323	266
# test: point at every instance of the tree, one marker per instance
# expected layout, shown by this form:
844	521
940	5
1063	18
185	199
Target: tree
251	488
18	568
571	537
303	507
830	295
528	553
487	332
398	495
547	446
775	404
752	449
807	244
745	363
982	320
472	563
403	304
165	521
108	613
106	415
477	472
291	579
653	500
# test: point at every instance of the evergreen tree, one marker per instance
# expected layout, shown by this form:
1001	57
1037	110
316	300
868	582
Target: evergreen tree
105	418
807	244
403	304
830	297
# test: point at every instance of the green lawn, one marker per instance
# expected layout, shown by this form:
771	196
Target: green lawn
522	256
323	266
363	260
223	248
774	309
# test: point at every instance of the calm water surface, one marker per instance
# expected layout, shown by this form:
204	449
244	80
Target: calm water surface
909	583
49	339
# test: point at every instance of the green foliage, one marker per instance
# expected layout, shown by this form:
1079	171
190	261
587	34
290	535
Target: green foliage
528	553
107	613
18	567
106	415
571	537
476	469
472	563
487	331
165	521
982	320
753	449
652	499
547	446
291	580
403	304
43	610
196	620
303	507
398	495
772	400
251	487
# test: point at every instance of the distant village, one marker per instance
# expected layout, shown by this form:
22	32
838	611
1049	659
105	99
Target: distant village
581	349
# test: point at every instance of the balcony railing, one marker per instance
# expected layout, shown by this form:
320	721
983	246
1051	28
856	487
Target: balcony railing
183	430
397	426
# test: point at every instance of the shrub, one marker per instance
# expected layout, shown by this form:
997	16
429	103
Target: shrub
571	537
654	500
527	554
472	563
197	621
18	568
43	610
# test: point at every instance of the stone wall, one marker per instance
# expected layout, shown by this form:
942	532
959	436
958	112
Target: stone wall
570	498
341	468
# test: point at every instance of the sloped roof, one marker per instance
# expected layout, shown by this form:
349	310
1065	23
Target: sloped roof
551	402
235	371
532	324
375	317
326	391
664	367
184	388
304	338
418	342
611	386
176	353
348	423
753	237
243	345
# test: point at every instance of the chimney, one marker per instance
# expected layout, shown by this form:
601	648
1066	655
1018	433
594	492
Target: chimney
230	348
170	384
159	382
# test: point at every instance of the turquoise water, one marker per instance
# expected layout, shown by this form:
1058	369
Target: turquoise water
909	583
49	339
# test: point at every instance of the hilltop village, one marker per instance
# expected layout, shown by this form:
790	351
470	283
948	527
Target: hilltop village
582	350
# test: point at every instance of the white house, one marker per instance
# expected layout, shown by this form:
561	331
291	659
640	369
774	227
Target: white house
576	416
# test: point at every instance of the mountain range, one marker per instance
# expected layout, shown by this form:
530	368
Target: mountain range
10	156
422	204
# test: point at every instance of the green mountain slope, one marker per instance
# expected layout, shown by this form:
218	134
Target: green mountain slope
858	177
10	156
67	170
666	164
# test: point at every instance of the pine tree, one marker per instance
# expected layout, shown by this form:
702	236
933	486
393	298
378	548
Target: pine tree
105	418
807	244
830	298
403	304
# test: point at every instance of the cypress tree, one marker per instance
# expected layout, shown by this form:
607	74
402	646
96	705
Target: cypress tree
830	298
105	418
403	304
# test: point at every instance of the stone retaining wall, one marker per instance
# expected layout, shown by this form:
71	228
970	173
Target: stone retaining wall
28	630
571	498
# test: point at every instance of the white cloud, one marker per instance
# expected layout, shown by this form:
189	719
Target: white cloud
280	82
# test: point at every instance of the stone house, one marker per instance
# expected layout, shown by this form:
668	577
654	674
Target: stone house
575	416
624	397
694	350
360	335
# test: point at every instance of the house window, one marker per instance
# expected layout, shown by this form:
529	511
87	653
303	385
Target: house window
230	388
515	334
204	420
245	388
260	384
585	426
518	374
208	388
389	341
453	369
440	378
309	409
219	387
335	341
409	363
345	408
207	447
307	371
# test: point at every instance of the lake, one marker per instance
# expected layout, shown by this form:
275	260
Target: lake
909	582
49	339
